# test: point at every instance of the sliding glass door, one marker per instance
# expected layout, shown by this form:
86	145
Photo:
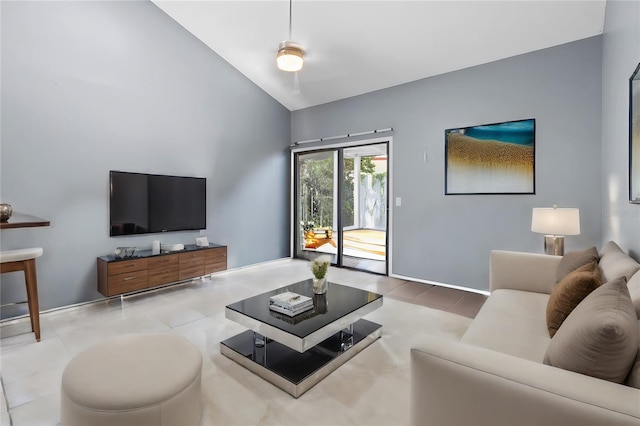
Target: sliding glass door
364	208
316	209
341	205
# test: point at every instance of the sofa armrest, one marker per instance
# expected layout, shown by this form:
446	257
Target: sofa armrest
453	383
522	271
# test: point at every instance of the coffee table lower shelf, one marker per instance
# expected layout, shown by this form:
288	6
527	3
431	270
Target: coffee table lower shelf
292	371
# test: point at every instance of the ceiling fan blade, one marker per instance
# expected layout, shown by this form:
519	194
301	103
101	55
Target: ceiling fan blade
296	84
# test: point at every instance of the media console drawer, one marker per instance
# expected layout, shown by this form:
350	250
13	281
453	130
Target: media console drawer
191	271
215	260
190	259
125	283
163	270
163	278
120	276
128	266
164	261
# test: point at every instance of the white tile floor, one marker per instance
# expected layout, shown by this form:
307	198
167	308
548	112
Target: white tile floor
372	388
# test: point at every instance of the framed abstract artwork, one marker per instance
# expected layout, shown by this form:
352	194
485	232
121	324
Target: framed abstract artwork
634	137
494	158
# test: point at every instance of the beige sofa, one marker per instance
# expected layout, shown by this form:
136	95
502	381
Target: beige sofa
496	376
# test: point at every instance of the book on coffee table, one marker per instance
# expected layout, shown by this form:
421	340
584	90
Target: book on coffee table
295	319
289	312
290	303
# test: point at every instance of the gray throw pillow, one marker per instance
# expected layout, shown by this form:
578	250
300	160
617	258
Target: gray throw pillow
600	337
615	263
634	290
634	375
575	259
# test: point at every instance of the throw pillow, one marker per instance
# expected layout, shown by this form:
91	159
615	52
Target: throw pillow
616	263
634	291
569	292
575	259
600	337
634	374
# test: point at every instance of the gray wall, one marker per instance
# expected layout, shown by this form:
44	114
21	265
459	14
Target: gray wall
448	238
92	86
620	57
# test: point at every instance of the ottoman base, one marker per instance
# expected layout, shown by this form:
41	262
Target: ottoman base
139	380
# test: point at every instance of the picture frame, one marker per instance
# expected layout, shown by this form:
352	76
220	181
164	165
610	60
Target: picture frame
497	158
634	136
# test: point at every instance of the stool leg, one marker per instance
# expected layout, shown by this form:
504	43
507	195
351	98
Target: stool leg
32	296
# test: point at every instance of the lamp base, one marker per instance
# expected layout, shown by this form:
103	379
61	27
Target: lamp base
554	245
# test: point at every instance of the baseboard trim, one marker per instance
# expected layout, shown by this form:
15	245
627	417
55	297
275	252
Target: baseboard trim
457	287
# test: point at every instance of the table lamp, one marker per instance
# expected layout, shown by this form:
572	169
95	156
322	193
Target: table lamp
555	223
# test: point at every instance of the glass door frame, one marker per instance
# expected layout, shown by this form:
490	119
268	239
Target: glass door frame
336	205
295	226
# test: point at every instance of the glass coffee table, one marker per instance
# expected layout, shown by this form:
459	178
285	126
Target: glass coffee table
295	353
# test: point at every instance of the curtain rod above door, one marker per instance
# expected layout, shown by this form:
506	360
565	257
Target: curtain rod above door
348	135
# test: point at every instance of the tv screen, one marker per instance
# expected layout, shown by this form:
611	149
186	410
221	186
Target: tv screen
144	203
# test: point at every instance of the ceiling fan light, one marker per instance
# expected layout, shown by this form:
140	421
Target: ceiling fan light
290	57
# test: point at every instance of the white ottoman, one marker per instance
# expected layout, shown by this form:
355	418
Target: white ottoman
134	379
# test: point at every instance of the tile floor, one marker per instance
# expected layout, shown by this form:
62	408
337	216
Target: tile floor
356	393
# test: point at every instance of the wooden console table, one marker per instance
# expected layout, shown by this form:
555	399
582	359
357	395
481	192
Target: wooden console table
147	270
21	220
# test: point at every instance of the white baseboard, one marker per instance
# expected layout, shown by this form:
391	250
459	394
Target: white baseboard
457	287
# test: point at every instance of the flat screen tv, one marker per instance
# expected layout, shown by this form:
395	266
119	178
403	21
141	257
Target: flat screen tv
142	203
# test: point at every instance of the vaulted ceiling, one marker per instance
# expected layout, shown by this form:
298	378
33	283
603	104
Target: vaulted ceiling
355	47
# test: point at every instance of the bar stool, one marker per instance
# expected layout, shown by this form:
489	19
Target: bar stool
25	260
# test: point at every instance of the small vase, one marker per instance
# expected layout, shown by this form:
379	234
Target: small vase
320	303
320	285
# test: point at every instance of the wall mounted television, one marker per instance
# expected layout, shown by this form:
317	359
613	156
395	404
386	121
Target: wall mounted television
141	203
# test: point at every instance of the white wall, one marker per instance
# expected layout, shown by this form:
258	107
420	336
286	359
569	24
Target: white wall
89	87
620	57
448	238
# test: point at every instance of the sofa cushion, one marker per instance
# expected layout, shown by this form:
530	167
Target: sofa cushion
569	292
575	259
634	375
634	291
615	263
600	337
512	322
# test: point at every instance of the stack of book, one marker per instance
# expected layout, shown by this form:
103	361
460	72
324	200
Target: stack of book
290	303
296	319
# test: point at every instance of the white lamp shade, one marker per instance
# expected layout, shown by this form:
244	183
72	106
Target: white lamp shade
556	221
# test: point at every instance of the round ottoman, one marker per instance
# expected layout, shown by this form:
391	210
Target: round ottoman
134	379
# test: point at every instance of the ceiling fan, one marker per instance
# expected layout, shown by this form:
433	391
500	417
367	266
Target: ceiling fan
290	57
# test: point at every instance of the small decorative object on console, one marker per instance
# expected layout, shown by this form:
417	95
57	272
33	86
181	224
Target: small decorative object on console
171	247
124	252
319	267
202	242
5	212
